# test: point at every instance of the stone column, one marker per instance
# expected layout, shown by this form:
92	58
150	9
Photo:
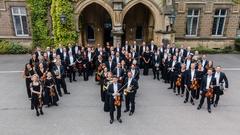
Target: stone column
117	35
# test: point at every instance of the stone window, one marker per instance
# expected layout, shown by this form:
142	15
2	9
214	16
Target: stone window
19	16
219	22
192	22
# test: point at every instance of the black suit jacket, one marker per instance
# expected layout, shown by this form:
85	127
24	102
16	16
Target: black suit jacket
222	79
204	83
188	77
134	84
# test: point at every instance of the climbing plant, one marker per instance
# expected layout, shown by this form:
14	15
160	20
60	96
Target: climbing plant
63	33
38	10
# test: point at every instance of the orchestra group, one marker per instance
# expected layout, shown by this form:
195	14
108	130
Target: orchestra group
117	71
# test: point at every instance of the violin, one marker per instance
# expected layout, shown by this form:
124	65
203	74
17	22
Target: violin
179	80
194	85
209	93
117	101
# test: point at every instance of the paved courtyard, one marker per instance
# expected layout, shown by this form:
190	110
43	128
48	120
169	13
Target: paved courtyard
158	110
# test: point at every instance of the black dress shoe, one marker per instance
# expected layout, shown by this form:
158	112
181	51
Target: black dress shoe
37	113
170	88
60	95
215	105
67	93
56	104
74	80
192	103
198	107
41	112
119	120
111	121
185	101
131	113
126	110
209	111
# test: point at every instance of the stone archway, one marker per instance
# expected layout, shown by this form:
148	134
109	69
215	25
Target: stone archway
158	17
79	8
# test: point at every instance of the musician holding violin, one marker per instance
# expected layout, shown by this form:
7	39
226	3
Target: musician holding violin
206	89
115	93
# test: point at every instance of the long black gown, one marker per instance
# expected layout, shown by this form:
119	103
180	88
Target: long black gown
147	57
50	98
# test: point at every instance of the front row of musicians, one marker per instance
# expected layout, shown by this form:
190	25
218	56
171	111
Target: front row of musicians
116	90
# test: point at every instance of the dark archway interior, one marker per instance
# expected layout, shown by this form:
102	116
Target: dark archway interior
96	25
138	24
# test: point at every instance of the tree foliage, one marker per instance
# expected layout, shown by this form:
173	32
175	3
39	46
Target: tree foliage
39	22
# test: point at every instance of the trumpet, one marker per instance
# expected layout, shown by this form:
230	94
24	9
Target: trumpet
128	90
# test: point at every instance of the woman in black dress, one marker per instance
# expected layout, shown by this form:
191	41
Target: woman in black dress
27	74
42	72
50	96
37	100
107	82
146	61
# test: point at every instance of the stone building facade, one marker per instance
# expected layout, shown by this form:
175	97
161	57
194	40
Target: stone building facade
212	23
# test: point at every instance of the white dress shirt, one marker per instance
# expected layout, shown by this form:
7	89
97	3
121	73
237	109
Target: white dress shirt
209	78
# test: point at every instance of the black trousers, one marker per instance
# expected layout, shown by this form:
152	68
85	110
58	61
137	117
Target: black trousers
85	74
28	82
145	69
216	95
181	89
61	83
156	72
130	100
202	101
188	92
72	73
172	80
118	113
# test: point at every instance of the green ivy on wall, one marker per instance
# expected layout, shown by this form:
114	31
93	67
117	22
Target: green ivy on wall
39	22
63	33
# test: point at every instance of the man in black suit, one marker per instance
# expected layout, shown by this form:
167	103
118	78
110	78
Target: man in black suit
207	82
117	59
60	51
110	64
174	68
113	91
59	73
126	46
156	62
135	71
191	75
131	85
152	47
71	67
220	79
119	72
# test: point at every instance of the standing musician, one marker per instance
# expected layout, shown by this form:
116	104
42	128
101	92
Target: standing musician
174	68
146	61
37	98
119	72
156	62
71	67
206	89
130	89
181	76
50	96
190	85
115	93
60	78
220	80
28	73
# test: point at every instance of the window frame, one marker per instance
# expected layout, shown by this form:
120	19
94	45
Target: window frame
219	16
192	16
21	23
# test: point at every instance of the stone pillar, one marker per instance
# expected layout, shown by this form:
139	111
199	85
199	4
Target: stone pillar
117	35
157	37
